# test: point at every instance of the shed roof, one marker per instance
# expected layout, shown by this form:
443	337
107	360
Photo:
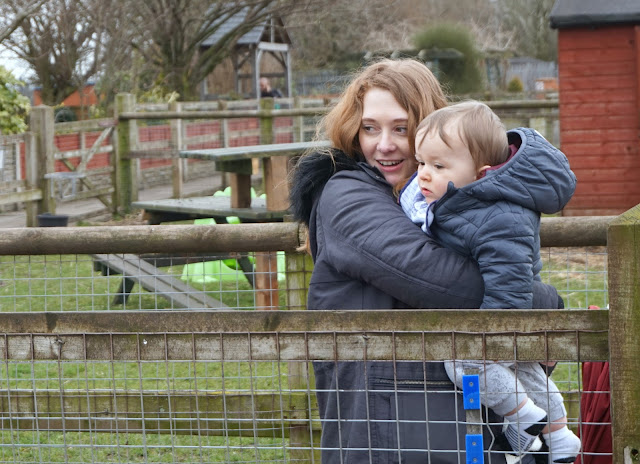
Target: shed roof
576	13
253	37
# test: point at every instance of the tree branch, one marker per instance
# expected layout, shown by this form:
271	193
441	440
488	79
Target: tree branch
28	10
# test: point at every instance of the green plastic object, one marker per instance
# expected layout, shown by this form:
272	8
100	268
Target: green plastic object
226	269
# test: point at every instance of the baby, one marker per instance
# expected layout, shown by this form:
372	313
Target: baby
480	191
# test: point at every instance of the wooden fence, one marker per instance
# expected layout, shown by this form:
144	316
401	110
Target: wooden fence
295	337
54	162
19	181
112	158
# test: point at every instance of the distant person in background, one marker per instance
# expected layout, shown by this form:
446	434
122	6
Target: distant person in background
267	91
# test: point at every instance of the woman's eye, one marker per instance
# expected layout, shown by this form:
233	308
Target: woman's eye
402	130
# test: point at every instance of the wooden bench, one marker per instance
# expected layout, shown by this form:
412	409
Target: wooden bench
137	270
218	208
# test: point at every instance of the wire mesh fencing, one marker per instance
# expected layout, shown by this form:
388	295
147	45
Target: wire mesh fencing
154	281
229	386
114	374
234	280
114	356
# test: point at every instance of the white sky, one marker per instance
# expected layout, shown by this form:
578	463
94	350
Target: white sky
9	61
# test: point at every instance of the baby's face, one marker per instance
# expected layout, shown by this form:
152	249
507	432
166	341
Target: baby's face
439	164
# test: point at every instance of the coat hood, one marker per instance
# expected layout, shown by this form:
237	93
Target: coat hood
311	174
537	176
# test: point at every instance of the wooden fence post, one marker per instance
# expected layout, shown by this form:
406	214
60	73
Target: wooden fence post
224	139
298	275
275	187
623	244
275	167
31	177
125	179
298	122
176	145
41	124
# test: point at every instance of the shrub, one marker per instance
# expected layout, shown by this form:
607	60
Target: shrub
14	107
459	75
515	85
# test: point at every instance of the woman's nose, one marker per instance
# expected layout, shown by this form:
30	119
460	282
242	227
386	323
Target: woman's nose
386	144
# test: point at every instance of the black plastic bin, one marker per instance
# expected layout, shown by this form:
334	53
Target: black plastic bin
52	220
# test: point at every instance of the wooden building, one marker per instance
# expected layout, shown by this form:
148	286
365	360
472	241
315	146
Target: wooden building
599	94
78	103
264	51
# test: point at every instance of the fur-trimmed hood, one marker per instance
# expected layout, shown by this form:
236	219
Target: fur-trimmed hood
311	174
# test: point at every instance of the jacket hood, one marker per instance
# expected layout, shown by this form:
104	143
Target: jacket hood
311	174
537	176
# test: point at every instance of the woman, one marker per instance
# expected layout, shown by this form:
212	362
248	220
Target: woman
368	255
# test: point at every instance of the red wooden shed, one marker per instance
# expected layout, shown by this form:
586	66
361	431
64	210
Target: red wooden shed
599	93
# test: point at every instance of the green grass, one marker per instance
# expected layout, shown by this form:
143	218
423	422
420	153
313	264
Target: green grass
579	275
152	376
73	447
69	283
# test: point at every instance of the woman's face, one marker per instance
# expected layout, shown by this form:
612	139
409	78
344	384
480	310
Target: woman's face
383	136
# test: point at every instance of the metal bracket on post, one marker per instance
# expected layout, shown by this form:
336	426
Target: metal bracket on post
471	398
64	185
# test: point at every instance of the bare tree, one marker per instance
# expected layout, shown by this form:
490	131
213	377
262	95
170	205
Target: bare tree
63	44
529	22
11	20
169	34
343	33
338	36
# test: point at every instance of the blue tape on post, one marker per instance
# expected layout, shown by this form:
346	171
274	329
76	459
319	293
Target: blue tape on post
471	391
474	449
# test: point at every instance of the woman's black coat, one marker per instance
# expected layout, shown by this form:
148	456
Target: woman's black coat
369	255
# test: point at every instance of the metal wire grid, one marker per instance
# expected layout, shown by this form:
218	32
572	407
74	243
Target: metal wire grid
579	275
177	428
141	412
85	283
127	408
76	283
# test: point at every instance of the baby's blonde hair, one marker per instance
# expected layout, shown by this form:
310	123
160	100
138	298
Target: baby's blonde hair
478	127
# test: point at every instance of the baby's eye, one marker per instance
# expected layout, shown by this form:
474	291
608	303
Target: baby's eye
420	163
438	166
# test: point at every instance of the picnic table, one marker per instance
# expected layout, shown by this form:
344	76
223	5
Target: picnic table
238	162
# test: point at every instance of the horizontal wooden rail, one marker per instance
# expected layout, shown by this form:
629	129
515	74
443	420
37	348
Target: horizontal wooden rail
523	104
14	197
225	114
309	111
251	152
556	231
87	125
452	320
574	231
150	239
228	414
306	335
